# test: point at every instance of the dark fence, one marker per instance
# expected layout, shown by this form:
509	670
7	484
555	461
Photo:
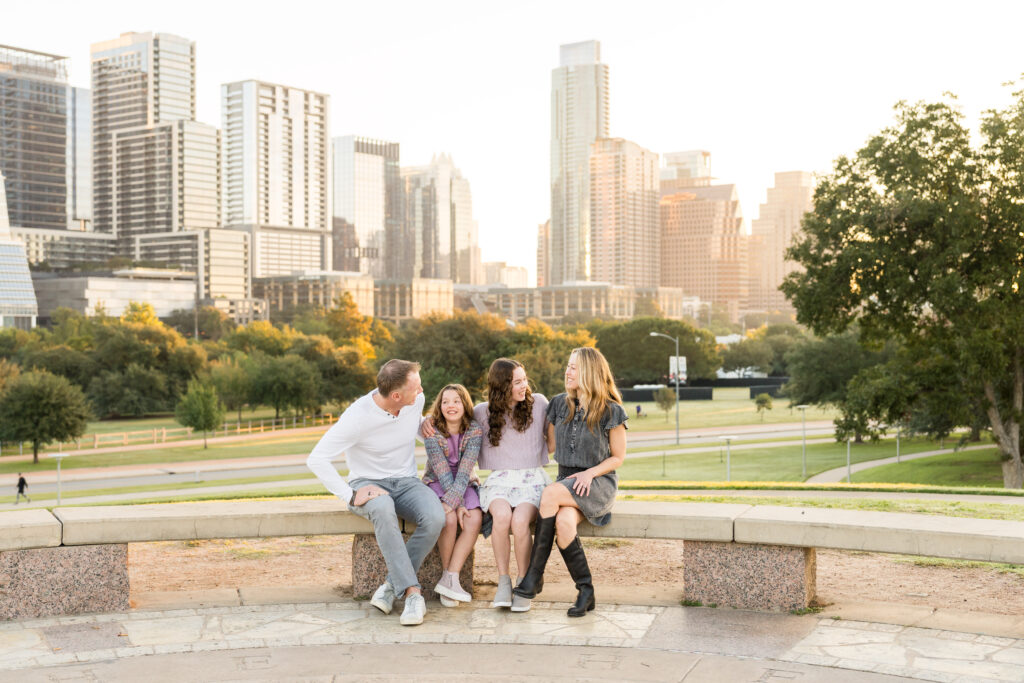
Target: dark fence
738	382
685	394
773	390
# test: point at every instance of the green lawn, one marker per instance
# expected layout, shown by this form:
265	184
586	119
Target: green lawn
729	407
768	464
971	468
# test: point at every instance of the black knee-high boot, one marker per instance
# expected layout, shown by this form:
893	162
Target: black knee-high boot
543	537
576	562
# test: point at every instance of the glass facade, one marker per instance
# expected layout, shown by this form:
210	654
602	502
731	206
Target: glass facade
79	158
17	296
33	136
579	116
367	205
138	80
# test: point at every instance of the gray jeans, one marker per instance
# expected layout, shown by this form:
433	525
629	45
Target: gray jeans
408	498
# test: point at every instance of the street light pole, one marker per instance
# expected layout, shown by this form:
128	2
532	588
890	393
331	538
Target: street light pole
728	458
59	457
676	340
803	419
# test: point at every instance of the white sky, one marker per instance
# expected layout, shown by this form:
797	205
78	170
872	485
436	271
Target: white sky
765	86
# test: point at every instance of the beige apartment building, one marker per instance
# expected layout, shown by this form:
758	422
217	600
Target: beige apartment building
624	222
402	300
772	232
320	288
703	248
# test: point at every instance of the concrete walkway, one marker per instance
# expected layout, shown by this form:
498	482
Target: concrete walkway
839	474
311	634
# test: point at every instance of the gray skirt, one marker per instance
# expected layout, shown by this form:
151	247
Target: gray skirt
597	505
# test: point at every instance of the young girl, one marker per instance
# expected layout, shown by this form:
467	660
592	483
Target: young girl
516	450
588	426
452	453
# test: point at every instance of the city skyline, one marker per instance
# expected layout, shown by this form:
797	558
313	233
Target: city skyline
783	87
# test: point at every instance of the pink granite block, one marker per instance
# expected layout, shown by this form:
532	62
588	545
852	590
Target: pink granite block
65	580
749	576
369	570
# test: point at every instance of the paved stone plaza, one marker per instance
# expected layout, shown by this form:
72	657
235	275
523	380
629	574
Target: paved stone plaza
346	639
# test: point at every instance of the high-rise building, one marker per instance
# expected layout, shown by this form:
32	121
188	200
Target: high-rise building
695	163
368	207
439	223
33	136
276	176
703	248
544	254
139	81
502	274
625	232
18	306
579	116
773	230
79	159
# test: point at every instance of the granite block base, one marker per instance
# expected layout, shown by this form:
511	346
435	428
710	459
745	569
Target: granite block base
749	576
369	570
65	580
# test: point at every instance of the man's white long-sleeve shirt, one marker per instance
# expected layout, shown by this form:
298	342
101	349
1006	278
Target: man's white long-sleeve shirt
376	444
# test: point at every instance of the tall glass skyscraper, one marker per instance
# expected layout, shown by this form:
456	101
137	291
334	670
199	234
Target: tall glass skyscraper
439	223
33	135
276	177
79	158
367	206
579	116
17	297
139	81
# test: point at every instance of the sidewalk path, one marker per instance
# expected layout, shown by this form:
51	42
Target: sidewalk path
839	473
259	639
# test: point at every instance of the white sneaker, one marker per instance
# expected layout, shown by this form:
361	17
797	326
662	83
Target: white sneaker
520	604
415	608
448	602
449	587
503	595
384	598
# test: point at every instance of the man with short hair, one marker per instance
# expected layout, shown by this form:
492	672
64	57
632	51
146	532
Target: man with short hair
377	435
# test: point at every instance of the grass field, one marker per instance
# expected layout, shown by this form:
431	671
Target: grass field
972	468
728	408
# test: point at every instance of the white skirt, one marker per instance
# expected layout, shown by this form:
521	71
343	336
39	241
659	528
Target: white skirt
514	486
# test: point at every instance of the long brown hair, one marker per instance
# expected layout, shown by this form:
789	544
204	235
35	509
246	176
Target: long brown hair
499	394
438	418
595	386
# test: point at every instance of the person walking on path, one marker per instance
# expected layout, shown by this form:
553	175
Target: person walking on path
377	435
451	456
588	425
22	485
515	448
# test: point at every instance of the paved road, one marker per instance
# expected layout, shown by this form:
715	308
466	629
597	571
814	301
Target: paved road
298	634
840	473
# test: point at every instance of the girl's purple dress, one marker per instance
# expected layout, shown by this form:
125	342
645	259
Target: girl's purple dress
470	499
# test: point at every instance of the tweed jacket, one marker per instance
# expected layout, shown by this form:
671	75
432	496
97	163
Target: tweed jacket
438	470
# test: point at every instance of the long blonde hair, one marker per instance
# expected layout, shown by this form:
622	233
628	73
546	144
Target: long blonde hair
595	386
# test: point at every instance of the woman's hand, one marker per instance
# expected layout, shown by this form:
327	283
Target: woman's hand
461	515
447	508
582	484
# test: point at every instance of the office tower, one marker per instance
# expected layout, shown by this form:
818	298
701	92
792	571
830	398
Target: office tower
139	81
502	274
33	136
439	223
692	164
276	153
166	179
777	223
625	231
79	159
544	254
368	207
579	116
17	297
703	248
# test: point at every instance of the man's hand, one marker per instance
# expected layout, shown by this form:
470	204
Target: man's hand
366	493
427	428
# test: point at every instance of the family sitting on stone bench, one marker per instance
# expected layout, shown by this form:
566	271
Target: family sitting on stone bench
512	435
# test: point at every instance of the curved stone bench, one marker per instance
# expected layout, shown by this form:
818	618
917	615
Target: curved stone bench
761	557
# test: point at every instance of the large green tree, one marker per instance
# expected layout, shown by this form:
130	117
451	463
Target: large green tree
40	408
285	382
918	237
637	358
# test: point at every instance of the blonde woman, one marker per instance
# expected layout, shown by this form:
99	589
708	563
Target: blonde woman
588	427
